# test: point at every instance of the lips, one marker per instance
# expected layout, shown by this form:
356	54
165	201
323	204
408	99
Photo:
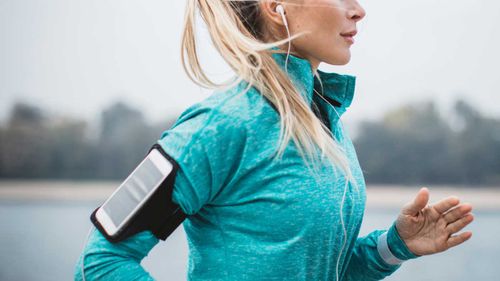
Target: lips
349	34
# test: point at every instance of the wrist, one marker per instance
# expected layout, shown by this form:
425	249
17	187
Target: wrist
397	245
385	252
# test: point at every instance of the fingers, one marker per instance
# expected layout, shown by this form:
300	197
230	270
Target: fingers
459	224
445	204
420	201
457	212
457	219
458	239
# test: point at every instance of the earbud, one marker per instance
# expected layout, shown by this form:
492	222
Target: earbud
281	10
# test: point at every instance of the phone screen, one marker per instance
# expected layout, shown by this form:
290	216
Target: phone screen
134	190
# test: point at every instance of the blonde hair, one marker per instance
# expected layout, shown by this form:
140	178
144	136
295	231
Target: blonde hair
236	30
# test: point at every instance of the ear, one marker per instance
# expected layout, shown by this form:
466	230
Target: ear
268	10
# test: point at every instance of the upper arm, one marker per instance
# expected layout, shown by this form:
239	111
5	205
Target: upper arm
207	145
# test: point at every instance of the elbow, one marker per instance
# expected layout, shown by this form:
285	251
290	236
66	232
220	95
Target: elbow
99	267
102	260
90	268
81	270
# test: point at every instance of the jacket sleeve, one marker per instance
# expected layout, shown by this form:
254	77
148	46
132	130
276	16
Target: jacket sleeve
204	143
377	255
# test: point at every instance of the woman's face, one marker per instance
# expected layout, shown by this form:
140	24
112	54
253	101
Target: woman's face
326	20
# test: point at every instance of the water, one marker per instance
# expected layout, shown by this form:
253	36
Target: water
42	241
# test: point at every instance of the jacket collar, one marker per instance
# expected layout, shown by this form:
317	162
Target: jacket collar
338	89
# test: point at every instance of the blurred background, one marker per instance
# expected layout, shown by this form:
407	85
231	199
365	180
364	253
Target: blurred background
87	86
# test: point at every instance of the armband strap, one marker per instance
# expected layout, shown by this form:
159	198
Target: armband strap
159	214
385	252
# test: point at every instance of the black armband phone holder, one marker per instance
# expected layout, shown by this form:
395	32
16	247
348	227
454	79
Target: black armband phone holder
158	214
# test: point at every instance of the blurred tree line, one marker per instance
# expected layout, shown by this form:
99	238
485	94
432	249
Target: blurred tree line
410	145
415	145
34	145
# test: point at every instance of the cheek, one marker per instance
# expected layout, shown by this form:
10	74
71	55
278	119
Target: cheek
324	24
327	21
303	23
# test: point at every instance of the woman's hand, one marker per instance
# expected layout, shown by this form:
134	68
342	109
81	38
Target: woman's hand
427	229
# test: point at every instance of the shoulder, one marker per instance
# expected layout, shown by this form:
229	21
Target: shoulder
223	119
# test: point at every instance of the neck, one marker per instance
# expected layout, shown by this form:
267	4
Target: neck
313	61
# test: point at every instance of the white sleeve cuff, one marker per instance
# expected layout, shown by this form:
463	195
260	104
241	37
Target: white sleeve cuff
385	252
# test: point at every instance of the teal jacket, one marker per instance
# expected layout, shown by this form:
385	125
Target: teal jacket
251	217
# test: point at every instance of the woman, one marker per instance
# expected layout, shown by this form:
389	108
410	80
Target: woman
269	179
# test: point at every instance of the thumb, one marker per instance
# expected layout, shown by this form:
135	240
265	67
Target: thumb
420	201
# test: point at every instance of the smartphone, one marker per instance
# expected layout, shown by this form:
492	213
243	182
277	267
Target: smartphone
136	189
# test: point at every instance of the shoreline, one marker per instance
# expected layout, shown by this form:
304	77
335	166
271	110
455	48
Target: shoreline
378	196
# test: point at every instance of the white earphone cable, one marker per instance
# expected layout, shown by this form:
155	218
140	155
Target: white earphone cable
281	10
83	252
345	190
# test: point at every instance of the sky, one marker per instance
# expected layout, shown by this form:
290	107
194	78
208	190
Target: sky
77	57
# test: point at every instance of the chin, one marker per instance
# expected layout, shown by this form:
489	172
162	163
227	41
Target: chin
340	59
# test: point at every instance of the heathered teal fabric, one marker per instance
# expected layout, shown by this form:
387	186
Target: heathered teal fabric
251	217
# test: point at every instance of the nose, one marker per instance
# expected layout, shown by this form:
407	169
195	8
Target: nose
357	12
